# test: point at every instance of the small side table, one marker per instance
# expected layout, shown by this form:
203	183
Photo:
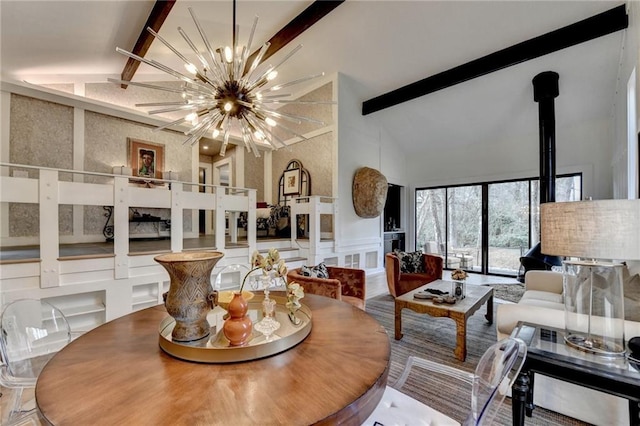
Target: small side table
548	354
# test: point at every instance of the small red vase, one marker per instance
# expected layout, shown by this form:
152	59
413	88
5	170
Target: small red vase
237	328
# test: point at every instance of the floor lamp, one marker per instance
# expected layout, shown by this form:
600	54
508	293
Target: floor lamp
598	234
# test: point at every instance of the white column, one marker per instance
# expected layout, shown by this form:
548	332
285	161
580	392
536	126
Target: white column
5	124
78	164
177	222
251	221
219	217
121	226
49	229
314	230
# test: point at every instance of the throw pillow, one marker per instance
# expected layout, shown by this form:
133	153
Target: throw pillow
410	262
319	271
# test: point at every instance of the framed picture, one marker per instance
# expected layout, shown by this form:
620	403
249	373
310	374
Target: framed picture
291	182
146	158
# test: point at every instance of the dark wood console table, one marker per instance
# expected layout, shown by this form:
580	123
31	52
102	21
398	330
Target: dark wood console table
108	230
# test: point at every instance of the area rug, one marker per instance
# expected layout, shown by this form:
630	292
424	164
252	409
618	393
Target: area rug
435	339
508	292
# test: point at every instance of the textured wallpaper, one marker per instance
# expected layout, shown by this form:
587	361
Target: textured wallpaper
254	175
40	134
317	112
316	156
106	146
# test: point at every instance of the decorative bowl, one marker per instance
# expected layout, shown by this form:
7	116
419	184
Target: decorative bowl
224	297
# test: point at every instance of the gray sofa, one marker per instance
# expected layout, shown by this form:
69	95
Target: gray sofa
543	303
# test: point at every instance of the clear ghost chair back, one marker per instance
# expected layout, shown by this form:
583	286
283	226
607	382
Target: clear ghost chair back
31	332
495	373
238	272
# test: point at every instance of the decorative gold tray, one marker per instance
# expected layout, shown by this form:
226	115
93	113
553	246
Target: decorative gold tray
215	347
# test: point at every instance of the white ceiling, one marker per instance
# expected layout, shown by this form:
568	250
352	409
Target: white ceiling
379	46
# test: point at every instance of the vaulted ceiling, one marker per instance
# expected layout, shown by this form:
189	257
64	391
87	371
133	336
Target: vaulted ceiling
378	45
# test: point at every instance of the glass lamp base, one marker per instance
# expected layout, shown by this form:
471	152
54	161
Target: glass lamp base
594	307
594	345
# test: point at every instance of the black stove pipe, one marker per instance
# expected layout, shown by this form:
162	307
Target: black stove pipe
545	90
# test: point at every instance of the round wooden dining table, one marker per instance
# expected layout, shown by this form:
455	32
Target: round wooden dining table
117	374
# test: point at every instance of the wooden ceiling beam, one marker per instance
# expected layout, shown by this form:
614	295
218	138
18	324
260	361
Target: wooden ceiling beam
312	14
156	18
608	22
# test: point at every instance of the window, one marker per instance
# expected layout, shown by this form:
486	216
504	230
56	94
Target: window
485	227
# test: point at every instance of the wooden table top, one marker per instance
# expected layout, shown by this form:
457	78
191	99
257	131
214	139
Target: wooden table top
117	374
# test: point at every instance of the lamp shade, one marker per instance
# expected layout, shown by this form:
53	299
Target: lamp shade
602	229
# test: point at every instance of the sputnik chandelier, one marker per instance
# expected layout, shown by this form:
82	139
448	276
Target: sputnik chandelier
225	92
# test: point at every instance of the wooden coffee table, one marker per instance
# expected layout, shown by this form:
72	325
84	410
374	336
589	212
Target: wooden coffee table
477	295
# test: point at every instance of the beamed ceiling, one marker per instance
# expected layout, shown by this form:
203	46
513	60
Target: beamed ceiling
379	46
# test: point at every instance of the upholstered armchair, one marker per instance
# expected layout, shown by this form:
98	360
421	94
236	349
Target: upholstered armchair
400	283
347	284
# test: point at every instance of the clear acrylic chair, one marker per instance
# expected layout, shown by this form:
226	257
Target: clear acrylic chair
496	371
238	272
31	332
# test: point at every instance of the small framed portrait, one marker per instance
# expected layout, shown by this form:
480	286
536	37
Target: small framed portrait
146	158
291	182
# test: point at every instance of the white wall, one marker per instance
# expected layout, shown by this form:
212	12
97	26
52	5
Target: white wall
361	143
582	148
629	61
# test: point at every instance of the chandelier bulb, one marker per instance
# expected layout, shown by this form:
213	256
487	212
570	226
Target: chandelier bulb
270	121
272	75
228	54
192	117
228	106
191	68
215	133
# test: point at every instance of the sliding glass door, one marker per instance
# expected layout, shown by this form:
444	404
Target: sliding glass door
430	220
464	227
508	220
485	227
449	223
